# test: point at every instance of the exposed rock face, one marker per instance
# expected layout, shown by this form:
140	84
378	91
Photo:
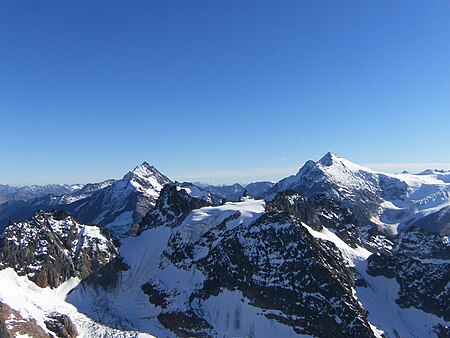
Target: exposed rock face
422	285
279	266
422	244
172	207
318	212
116	204
437	222
52	247
107	276
275	263
61	325
13	324
442	331
383	203
420	263
186	324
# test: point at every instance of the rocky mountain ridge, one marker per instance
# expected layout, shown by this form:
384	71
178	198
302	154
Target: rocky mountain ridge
336	250
51	248
115	204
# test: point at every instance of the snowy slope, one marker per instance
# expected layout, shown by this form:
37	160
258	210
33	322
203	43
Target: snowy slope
292	265
379	296
33	302
198	192
391	201
162	283
144	255
116	204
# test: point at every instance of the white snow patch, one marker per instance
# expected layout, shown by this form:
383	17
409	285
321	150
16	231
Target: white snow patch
350	254
378	298
201	220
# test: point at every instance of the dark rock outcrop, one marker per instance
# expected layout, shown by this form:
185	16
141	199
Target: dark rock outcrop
318	212
61	325
52	247
172	207
277	265
420	265
119	204
12	323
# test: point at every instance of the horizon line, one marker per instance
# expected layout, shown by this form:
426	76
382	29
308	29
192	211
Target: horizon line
272	174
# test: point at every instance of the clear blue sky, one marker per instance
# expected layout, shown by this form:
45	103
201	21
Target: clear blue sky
219	91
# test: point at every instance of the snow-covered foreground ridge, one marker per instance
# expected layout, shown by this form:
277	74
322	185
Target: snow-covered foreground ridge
336	250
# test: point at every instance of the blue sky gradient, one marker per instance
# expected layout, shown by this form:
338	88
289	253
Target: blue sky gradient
220	91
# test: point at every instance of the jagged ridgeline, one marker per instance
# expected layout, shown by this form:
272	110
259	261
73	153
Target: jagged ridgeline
336	250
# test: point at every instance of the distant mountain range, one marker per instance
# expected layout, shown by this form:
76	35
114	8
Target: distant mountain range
115	204
26	193
336	250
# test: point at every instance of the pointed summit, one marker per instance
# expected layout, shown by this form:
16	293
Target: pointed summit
330	175
145	172
147	179
144	168
328	159
335	165
144	164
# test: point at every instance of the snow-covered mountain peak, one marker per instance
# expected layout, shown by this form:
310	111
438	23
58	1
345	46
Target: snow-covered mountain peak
333	169
145	170
335	250
332	161
147	179
436	174
328	159
390	201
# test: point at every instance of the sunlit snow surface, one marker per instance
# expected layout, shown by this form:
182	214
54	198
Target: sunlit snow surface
128	307
98	313
351	255
425	193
